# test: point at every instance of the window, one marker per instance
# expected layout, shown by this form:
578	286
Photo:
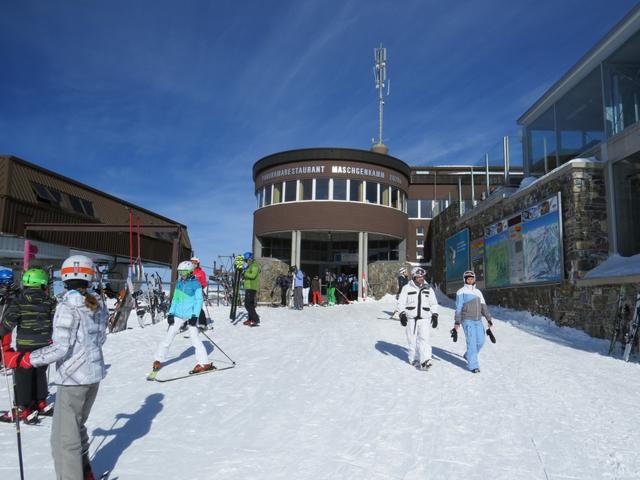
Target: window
267	195
419	253
395	197
47	194
412	208
355	193
384	195
420	243
306	189
322	189
426	209
541	136
339	188
277	193
420	231
290	190
372	192
80	205
259	198
626	178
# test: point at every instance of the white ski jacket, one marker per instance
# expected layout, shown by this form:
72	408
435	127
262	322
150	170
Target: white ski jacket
417	302
78	336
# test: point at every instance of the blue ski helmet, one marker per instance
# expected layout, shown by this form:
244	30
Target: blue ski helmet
247	256
6	277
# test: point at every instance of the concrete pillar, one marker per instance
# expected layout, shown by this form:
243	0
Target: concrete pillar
363	257
402	250
257	247
296	242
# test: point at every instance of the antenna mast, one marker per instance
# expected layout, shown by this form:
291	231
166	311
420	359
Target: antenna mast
380	73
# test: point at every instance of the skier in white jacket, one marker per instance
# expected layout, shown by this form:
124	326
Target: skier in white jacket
418	309
79	331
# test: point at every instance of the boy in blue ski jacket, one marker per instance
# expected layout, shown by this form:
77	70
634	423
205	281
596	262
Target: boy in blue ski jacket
185	308
470	307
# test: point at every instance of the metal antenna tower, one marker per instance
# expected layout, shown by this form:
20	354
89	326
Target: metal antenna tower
380	73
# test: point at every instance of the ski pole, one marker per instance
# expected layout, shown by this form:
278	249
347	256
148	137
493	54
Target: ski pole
215	345
13	409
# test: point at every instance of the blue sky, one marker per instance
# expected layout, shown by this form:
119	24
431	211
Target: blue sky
168	104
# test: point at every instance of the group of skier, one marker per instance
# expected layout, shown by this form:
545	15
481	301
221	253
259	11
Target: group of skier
70	334
298	290
418	311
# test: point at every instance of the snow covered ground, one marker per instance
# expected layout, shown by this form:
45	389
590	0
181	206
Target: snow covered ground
326	393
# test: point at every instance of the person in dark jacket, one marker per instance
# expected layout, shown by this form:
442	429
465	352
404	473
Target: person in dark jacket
32	313
282	282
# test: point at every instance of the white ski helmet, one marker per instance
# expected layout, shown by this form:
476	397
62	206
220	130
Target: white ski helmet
417	272
195	260
185	266
77	267
402	271
468	274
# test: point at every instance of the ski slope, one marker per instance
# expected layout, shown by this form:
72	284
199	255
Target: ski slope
326	393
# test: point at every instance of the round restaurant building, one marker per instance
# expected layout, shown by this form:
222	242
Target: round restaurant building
331	209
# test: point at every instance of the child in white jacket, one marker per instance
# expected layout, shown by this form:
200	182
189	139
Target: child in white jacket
418	309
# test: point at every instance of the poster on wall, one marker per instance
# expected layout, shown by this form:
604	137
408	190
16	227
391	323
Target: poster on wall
457	255
476	252
525	248
542	242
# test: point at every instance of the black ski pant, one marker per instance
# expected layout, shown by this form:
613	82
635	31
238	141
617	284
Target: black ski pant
202	318
283	296
31	385
250	305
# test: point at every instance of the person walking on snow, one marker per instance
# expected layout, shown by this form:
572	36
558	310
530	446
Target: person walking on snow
31	313
251	287
200	274
184	310
79	331
470	307
418	308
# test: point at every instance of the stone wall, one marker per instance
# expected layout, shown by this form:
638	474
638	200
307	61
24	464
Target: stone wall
383	278
585	245
270	269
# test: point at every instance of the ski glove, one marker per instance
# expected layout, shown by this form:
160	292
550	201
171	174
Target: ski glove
193	321
17	360
491	335
434	320
454	334
403	319
170	319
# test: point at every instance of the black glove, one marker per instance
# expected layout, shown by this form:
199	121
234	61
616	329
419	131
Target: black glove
403	319
491	336
193	321
434	320
170	319
454	334
490	322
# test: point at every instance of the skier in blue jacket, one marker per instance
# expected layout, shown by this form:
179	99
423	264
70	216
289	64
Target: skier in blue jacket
185	308
470	307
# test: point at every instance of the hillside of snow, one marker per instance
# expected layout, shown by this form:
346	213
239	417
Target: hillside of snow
327	393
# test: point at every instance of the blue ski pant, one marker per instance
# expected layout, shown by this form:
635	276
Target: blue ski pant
474	336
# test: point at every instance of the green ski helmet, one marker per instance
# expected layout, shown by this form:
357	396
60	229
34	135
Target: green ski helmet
35	277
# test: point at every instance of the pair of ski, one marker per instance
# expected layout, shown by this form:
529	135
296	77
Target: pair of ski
629	339
153	375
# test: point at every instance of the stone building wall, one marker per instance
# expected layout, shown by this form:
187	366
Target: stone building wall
585	245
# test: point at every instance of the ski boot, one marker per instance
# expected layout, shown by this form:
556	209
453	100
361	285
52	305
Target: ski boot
202	368
44	409
247	322
475	370
24	414
425	365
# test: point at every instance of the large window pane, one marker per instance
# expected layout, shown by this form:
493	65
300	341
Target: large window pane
372	192
412	208
322	189
267	195
395	197
426	209
355	190
384	195
306	189
277	193
541	138
259	198
579	118
622	86
290	191
626	177
339	188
